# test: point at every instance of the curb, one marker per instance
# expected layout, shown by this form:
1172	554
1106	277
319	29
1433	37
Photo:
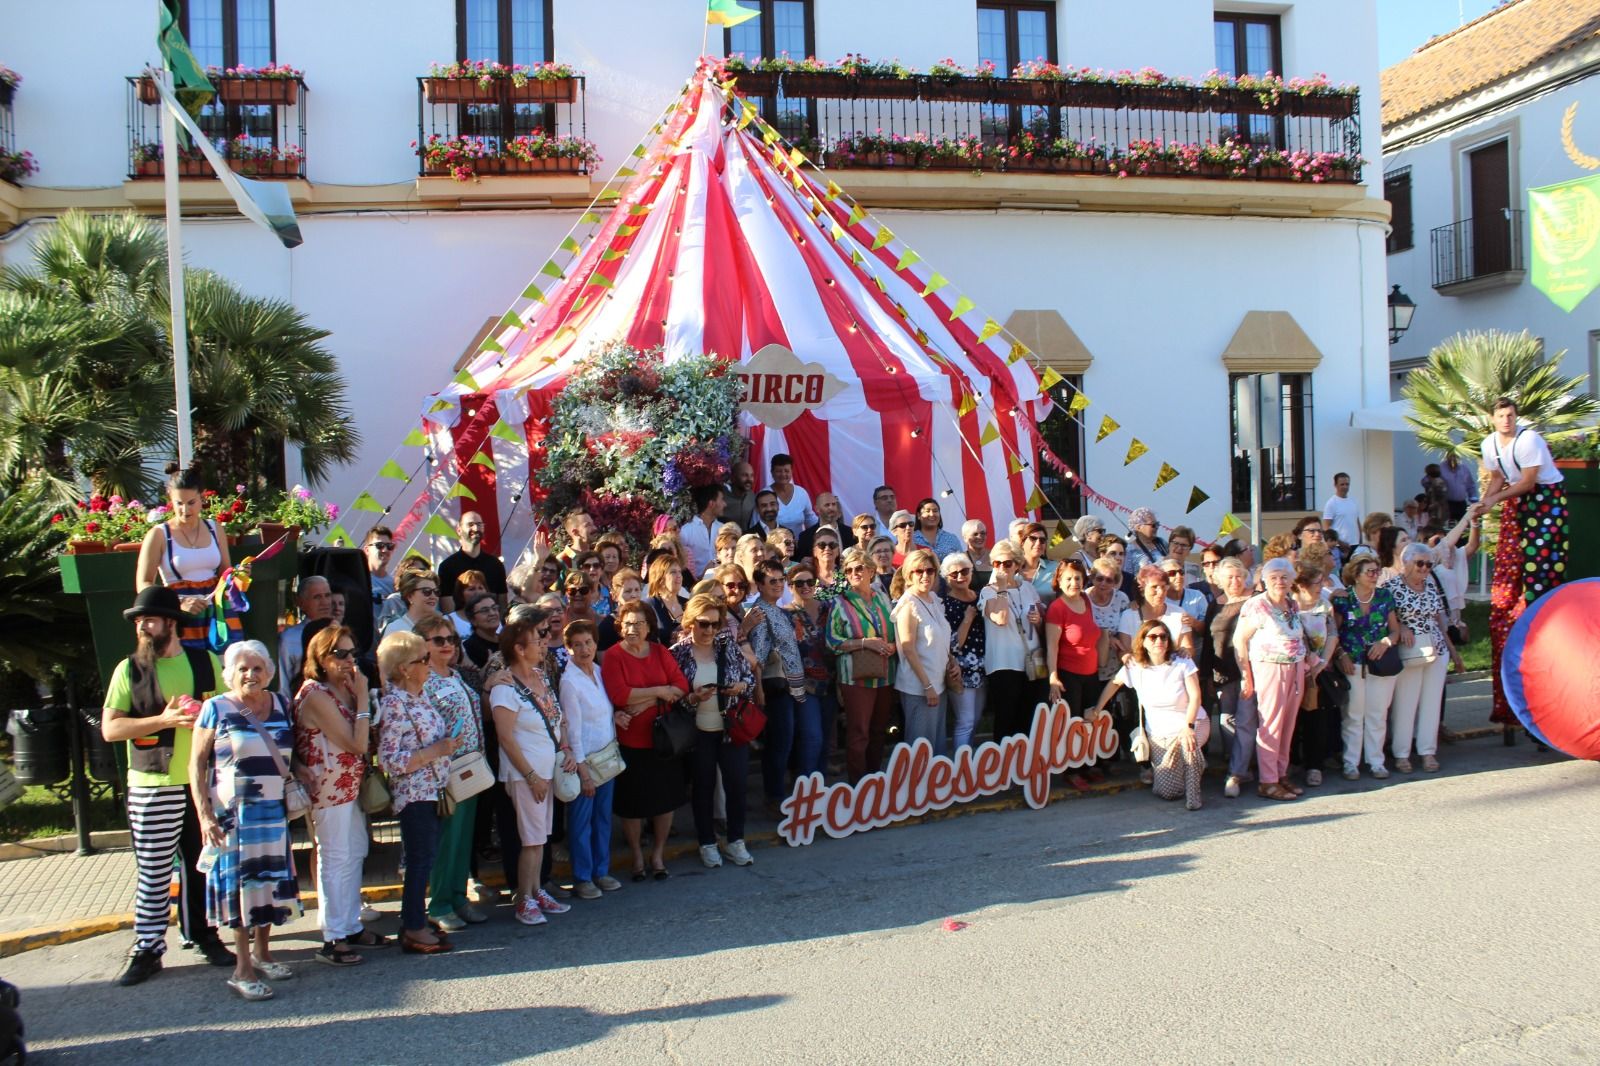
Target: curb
100	839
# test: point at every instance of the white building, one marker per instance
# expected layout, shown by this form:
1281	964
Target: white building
1471	121
1150	290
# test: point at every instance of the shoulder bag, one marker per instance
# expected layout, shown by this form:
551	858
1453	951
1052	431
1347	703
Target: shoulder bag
296	800
1389	664
865	664
604	764
567	784
1034	663
744	719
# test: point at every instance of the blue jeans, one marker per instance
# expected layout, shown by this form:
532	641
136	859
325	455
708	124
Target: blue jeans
419	839
777	738
712	754
810	716
925	721
589	834
968	705
1239	724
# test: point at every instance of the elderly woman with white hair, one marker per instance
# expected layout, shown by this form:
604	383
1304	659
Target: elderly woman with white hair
1086	531
1425	650
1145	546
975	545
238	773
1270	644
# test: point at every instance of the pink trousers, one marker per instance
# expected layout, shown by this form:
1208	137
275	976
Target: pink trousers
1279	687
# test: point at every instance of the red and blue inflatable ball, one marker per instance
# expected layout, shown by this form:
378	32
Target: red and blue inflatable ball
1548	668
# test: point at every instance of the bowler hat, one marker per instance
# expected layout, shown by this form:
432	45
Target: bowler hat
159	601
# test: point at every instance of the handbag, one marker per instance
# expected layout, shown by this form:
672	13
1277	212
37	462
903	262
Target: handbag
1139	740
673	732
1034	663
1386	665
865	664
567	784
604	764
469	775
374	794
1426	651
296	800
744	720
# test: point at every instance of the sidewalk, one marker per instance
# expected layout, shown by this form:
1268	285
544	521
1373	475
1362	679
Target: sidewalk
57	899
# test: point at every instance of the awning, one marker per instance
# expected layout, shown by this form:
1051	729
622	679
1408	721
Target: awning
1386	418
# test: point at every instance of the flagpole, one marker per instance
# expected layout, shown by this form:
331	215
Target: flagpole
180	317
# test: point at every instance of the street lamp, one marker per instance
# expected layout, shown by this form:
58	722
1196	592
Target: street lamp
1401	308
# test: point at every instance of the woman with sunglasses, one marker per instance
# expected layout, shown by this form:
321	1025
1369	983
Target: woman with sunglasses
824	562
770	631
1010	609
967	632
816	724
903	528
924	644
1145	546
881	553
861	627
1168	688
414	749
591	565
718	675
1237	713
1034	568
581	596
457	704
332	730
1270	644
1368	627
419	591
1425	649
1107	601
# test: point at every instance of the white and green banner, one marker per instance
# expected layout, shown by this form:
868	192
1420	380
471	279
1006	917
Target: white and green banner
1566	240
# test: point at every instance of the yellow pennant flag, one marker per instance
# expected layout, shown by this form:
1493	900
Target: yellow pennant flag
1015	464
1018	351
1108	426
769	137
969	404
1060	533
908	258
856	215
1229	524
1135	449
1036	499
796	157
1167	474
834	192
936	282
991	433
1078	404
884	237
962	306
1049	379
1196	498
990	328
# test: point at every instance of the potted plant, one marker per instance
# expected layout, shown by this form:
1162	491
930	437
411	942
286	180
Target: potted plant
747	80
1317	97
880	80
466	81
810	77
9	80
541	153
960	153
1576	451
263	160
550	83
14	166
275	83
1152	90
295	512
102	523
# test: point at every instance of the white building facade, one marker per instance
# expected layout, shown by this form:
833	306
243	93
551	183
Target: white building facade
1150	292
1471	122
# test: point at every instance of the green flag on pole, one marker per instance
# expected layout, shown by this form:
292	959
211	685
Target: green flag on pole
1565	220
194	89
727	13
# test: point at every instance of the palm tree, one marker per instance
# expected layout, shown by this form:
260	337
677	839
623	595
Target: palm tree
42	630
86	369
1452	395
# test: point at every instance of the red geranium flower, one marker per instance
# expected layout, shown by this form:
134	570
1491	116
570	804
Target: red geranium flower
54	519
209	493
91	527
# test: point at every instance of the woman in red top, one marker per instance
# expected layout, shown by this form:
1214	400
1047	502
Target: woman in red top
642	679
1074	646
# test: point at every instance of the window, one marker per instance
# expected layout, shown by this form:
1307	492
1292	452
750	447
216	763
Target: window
784	26
227	34
511	32
1250	44
1010	33
1286	471
1063	434
1397	190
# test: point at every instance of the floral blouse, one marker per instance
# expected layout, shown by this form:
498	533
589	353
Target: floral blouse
1318	621
814	653
968	656
1279	637
331	776
409	724
456	701
828	591
1418	611
1108	618
732	667
775	632
1362	627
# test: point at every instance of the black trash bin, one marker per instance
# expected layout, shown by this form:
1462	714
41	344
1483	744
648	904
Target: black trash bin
39	745
100	756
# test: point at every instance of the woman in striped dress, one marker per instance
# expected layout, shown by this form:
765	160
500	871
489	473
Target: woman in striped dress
861	635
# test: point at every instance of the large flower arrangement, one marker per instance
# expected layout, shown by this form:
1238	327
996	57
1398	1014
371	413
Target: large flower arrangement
105	519
632	435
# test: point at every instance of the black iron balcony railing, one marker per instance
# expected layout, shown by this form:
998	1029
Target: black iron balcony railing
1098	128
466	128
257	124
1475	248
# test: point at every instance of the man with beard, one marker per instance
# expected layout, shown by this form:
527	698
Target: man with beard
766	519
151	702
830	512
470	556
739	502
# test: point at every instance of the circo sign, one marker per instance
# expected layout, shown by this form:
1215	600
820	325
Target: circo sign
779	388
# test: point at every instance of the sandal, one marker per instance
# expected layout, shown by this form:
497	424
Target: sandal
1290	786
368	939
419	947
272	970
638	873
1274	791
659	873
251	989
336	953
1430	765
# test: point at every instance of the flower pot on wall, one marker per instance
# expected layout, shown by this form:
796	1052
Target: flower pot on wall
885	87
545	91
1319	105
86	547
831	85
459	91
281	91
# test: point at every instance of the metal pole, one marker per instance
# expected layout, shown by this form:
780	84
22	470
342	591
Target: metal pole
1255	504
80	775
180	317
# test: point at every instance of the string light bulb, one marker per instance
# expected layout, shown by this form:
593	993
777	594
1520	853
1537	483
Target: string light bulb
917	432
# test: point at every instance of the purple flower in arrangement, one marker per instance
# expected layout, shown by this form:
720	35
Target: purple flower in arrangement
333	512
239	489
301	493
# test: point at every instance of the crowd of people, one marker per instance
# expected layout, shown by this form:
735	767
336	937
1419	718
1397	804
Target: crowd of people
597	681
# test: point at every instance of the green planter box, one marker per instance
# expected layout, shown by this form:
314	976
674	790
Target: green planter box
1583	500
105	581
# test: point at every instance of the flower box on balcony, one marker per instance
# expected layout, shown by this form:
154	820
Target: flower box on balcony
885	87
553	165
1319	105
187	168
1163	98
1090	93
280	91
806	83
544	90
960	163
755	82
1058	165
956	87
265	168
460	91
1024	91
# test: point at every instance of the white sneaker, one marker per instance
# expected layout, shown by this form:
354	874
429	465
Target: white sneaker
1351	774
1313	778
549	904
1380	772
738	854
450	923
370	915
1230	788
528	913
710	856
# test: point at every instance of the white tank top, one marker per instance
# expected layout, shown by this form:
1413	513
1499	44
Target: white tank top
179	563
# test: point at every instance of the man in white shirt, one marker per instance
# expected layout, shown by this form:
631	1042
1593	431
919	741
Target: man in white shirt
885	503
315	599
1343	513
699	535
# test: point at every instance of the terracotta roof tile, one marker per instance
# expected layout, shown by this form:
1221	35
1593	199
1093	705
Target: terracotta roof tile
1497	45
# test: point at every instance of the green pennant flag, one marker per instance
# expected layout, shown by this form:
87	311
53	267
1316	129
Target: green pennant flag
908	258
570	244
461	490
638	151
990	327
415	439
440	405
1196	498
1565	222
627	231
727	13
412	551
588	218
395	472
481	460
438	527
489	344
962	306
639	209
553	269
506	432
337	537
533	292
466	378
600	281
856	215
611	255
626	172
884	237
609	194
189	82
367	502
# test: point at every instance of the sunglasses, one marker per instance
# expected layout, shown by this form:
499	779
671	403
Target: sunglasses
855	570
1005	563
428	590
343	654
543	632
1159	637
1101	579
965	571
591	565
737	586
1172	574
382	545
443	642
707	623
1035	536
580	590
804	583
827	545
923	571
1422	564
419	662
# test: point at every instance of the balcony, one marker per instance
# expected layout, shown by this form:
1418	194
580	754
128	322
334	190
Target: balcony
1478	254
1016	141
497	140
257	124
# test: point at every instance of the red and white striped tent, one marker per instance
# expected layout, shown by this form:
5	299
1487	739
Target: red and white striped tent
722	244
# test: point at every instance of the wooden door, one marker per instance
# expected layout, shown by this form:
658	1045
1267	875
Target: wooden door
1489	174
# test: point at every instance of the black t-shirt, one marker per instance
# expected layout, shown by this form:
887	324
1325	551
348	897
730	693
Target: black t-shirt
492	569
478	650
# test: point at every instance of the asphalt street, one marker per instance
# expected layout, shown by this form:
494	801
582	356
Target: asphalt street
1431	919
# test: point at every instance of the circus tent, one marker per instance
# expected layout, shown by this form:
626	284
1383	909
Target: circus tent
720	241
